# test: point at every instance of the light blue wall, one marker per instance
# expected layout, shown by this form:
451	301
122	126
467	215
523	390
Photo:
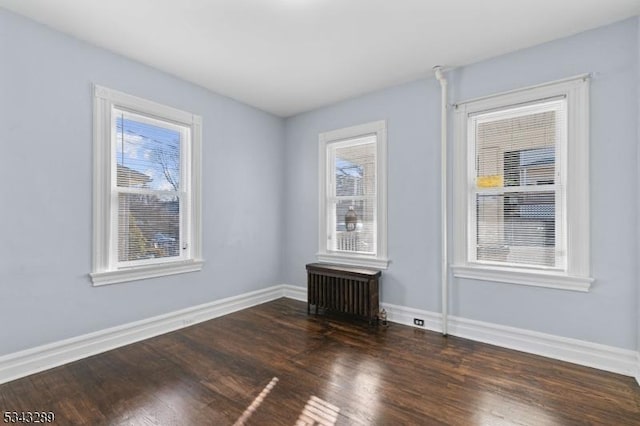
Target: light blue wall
260	189
412	114
45	198
607	314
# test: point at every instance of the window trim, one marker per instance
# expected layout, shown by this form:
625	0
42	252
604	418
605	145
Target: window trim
576	276
380	259
103	273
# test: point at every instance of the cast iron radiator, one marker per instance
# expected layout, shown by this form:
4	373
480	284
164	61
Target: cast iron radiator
343	289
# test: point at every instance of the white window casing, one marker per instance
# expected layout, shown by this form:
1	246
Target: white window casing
353	175
115	258
563	263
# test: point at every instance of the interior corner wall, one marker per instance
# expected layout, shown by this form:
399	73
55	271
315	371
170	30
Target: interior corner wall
46	137
606	314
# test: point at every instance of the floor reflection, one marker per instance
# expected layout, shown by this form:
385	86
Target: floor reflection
361	377
500	410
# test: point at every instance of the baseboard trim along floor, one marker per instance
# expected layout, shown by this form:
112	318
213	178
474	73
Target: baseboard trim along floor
602	357
30	361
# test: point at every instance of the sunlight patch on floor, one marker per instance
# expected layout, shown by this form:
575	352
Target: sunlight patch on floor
256	403
318	412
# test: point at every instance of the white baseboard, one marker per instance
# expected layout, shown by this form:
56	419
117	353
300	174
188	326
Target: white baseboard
603	357
30	361
405	315
295	292
608	358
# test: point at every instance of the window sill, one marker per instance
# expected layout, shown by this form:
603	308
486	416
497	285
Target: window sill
523	277
144	272
364	261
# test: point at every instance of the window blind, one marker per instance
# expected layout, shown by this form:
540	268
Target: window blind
148	187
353	177
517	189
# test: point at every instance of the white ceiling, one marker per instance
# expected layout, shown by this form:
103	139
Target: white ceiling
290	56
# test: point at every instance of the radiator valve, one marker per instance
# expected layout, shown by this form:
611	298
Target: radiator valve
383	317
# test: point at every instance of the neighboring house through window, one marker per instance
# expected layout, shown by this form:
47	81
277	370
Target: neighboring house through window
353	223
521	199
146	189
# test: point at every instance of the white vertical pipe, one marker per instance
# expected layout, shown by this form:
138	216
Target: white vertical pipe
443	198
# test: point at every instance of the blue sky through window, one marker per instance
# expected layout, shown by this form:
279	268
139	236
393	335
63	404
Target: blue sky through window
147	155
345	167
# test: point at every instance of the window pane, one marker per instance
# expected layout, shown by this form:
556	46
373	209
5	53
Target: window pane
517	227
147	156
355	170
361	239
529	167
517	151
148	227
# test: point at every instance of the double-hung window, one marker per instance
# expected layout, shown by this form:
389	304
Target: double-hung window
521	200
353	224
146	189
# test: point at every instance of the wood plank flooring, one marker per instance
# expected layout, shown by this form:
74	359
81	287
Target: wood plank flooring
342	372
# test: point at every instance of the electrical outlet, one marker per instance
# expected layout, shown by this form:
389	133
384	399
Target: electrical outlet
418	321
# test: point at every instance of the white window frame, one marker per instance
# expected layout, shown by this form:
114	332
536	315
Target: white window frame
573	189
327	142
106	269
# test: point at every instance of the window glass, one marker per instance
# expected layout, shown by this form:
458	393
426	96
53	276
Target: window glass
516	191
353	206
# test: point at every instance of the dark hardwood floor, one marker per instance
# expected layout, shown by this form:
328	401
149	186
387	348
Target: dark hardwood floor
327	371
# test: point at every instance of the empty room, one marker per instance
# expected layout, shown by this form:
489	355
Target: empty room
320	212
